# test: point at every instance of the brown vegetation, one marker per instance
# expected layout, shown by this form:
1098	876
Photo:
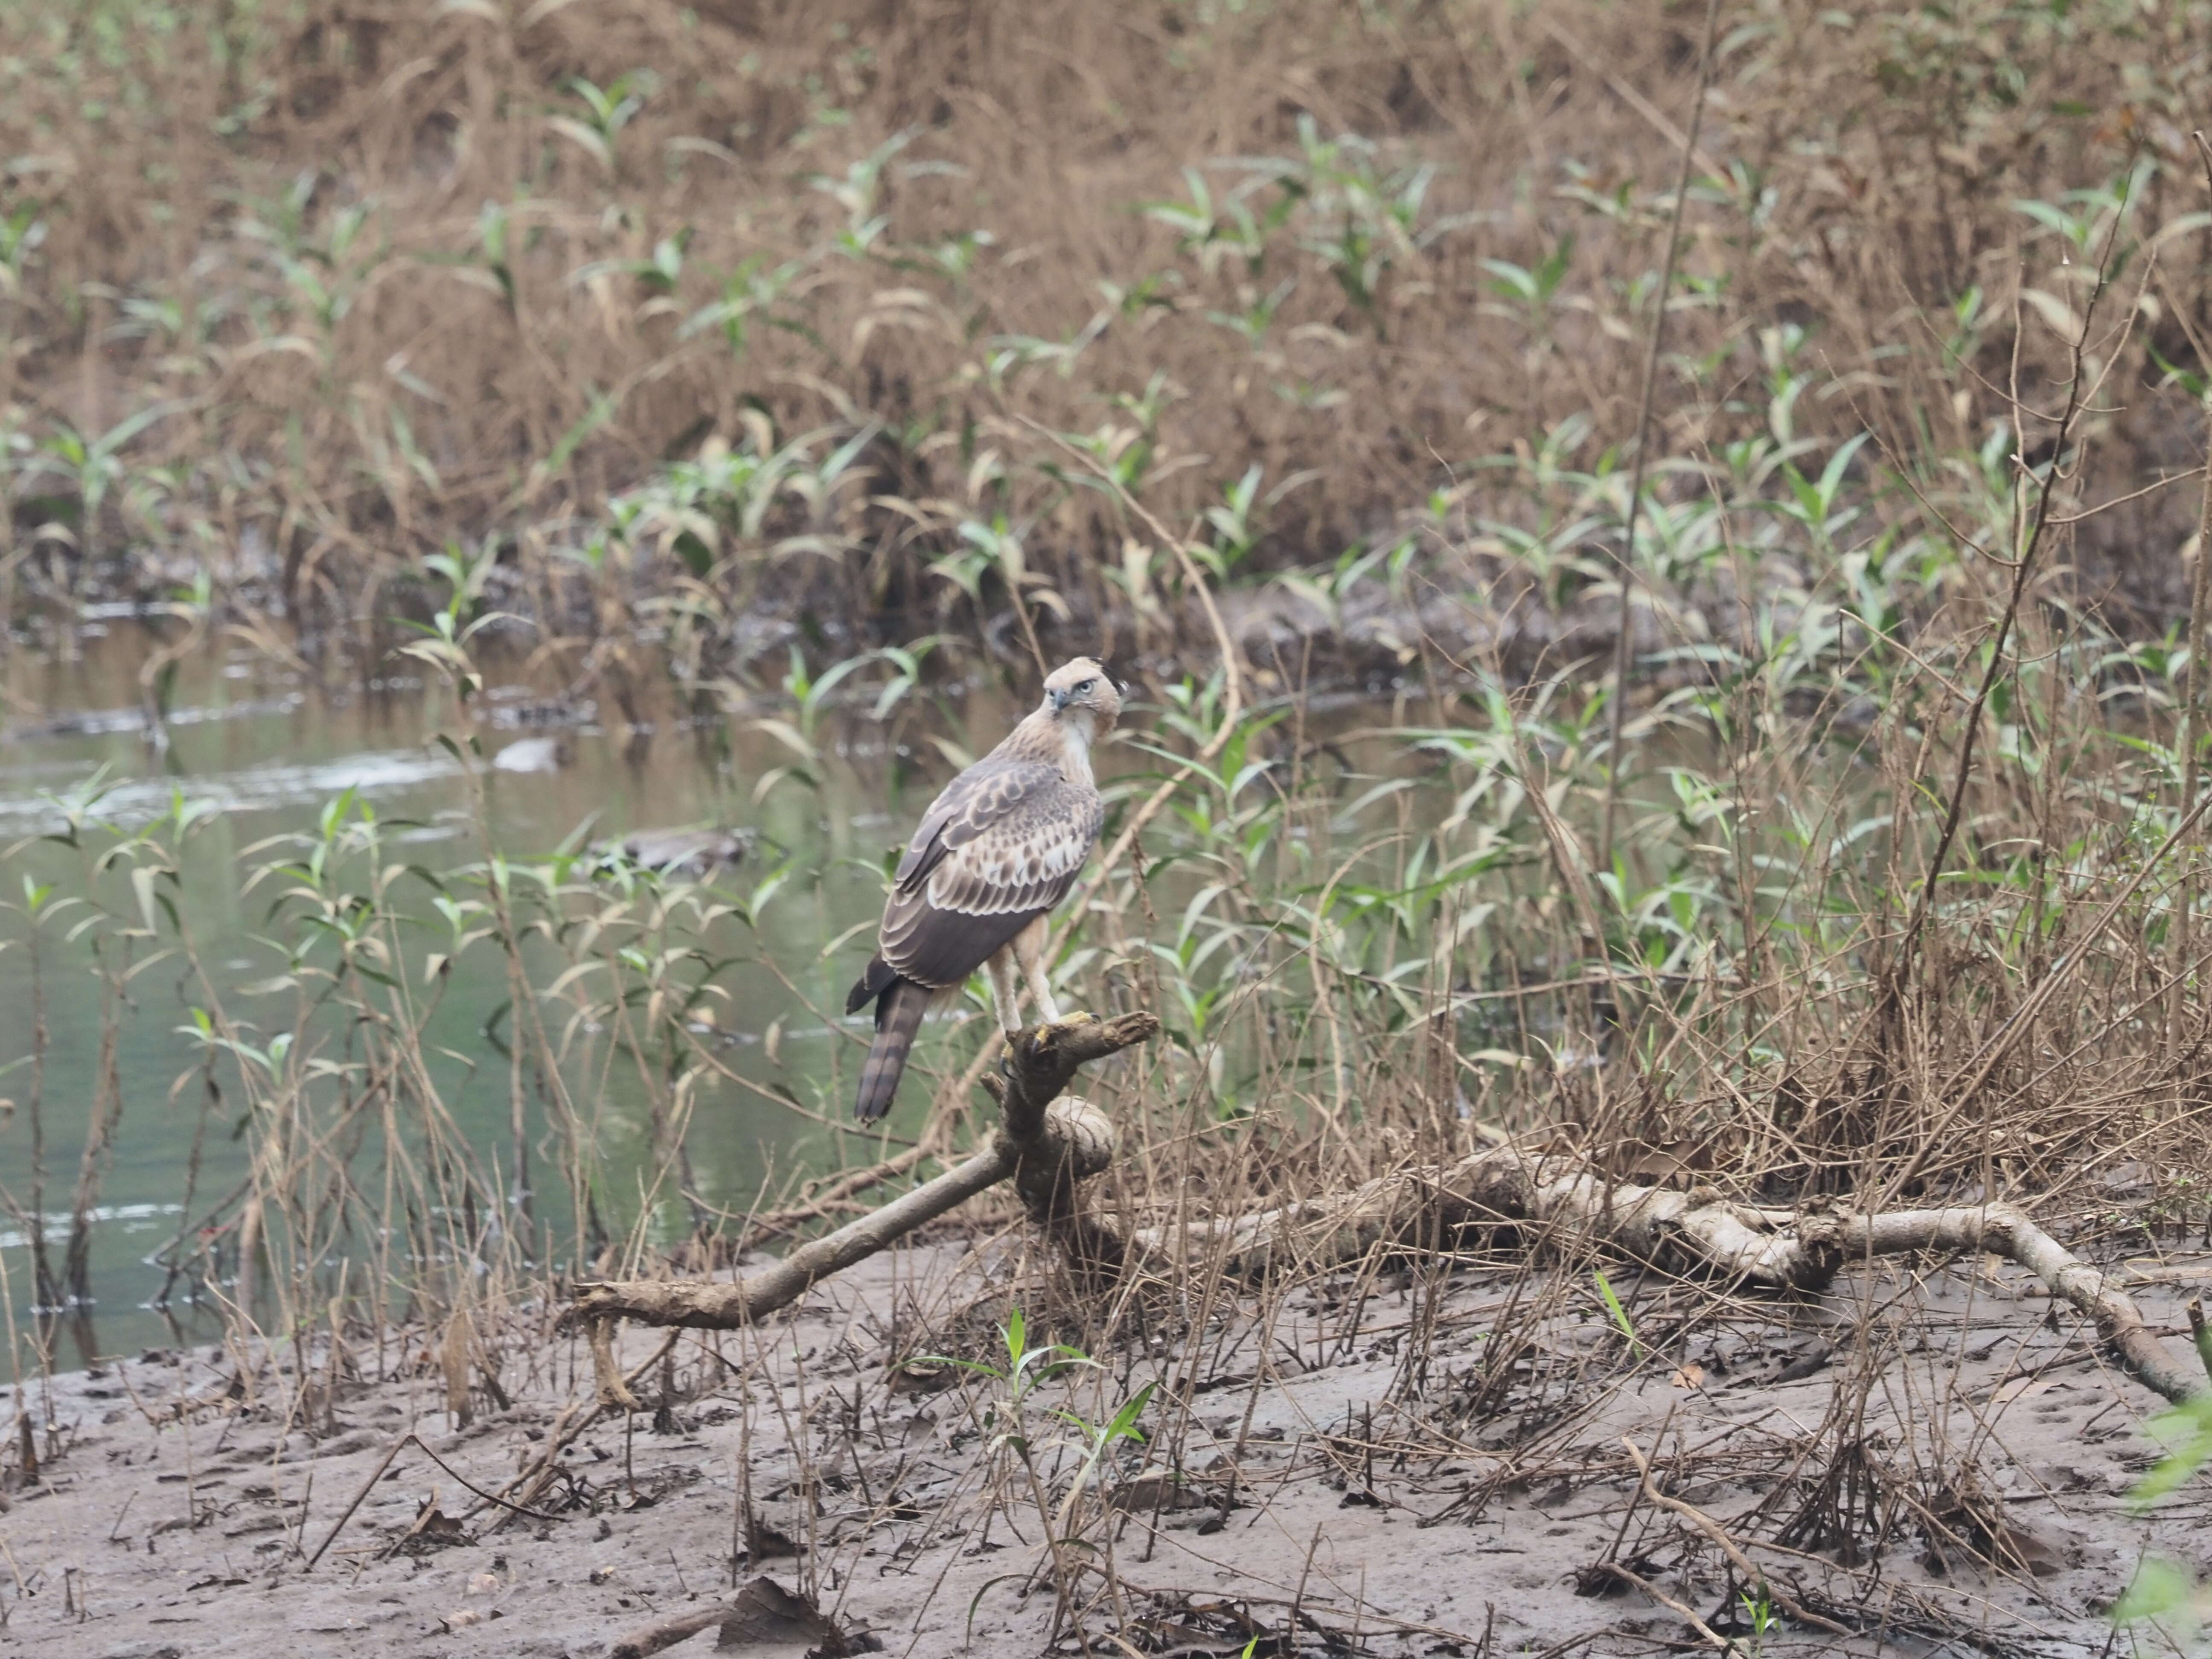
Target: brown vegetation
397	280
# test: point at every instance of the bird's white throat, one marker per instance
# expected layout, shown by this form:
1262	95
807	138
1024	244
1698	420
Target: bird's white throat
1078	729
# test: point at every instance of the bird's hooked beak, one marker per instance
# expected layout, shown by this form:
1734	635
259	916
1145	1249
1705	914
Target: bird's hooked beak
1058	697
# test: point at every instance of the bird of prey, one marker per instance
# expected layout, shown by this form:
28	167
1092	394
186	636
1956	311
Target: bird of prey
995	852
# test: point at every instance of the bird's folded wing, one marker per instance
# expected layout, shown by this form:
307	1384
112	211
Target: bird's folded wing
1007	848
972	806
1024	860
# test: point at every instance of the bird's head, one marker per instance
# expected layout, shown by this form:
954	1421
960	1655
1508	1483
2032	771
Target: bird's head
1083	693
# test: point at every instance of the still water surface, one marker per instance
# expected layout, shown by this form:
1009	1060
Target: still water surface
269	752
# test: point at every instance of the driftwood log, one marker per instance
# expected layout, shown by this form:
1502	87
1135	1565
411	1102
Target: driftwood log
1696	1230
1048	1143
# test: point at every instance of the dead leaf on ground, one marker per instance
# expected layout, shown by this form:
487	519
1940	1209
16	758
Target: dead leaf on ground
1150	1492
765	1541
434	1529
1691	1375
766	1613
918	1376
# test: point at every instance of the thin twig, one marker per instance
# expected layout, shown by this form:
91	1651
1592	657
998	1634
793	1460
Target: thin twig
2192	716
1621	639
1713	1529
2022	567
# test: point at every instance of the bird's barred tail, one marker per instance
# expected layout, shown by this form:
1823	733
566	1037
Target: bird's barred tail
898	1016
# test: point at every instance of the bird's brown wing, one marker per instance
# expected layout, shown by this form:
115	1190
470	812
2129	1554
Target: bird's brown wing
984	795
1000	847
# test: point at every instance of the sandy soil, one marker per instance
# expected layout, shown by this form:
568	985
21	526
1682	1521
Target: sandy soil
1358	1471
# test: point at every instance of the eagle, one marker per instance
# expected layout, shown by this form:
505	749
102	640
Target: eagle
996	852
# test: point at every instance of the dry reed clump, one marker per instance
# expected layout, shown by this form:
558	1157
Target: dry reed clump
792	279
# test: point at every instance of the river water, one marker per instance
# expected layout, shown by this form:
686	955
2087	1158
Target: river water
269	751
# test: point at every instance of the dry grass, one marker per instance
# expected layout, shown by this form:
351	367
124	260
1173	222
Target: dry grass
397	284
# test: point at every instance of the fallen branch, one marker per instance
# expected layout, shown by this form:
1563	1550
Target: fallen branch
667	1633
1695	1230
1046	1145
1682	1609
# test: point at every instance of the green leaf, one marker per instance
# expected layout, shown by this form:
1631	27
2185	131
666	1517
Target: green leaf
1613	1306
2160	1589
142	884
586	139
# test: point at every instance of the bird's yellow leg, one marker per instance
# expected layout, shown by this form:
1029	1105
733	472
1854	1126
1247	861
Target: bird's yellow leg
1029	951
1005	990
